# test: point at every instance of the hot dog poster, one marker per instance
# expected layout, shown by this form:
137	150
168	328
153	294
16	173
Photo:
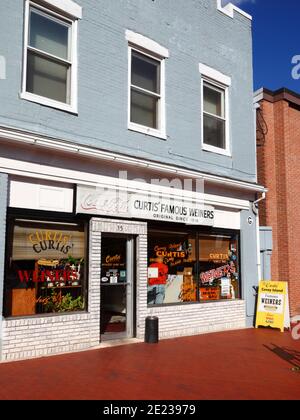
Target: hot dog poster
273	305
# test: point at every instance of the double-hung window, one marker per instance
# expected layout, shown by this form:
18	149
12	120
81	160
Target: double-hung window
215	112
50	58
146	85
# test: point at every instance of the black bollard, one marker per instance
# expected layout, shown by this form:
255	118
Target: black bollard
151	330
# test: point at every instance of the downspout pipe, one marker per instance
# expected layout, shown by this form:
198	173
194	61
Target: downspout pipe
256	203
256	212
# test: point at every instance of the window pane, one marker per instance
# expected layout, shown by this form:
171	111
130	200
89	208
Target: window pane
213	101
48	35
47	78
214	132
171	268
218	268
46	269
144	109
145	72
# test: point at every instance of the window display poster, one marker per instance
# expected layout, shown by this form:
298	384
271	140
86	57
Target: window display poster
225	286
272	305
209	293
152	272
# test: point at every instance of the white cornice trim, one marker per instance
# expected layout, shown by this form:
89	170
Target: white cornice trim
147	44
66	6
214	74
258	95
230	8
28	170
19	136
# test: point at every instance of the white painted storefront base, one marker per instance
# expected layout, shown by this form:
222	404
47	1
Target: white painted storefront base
201	318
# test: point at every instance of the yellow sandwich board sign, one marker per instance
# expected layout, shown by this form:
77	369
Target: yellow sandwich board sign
273	305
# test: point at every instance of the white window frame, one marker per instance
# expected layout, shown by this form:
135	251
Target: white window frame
218	80
72	91
151	49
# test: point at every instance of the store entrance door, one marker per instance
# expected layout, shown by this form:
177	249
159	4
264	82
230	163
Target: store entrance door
117	287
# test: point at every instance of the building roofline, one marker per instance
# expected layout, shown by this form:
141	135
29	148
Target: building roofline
229	9
283	94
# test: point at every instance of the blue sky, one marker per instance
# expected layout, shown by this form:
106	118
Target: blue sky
276	40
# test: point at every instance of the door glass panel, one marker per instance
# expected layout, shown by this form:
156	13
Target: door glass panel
113	285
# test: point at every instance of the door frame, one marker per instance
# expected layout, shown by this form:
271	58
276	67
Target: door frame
136	230
129	242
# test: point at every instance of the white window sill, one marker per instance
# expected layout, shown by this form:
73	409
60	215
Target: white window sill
48	102
216	150
146	130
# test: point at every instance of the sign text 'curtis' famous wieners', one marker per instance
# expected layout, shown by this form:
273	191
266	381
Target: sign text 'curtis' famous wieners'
139	206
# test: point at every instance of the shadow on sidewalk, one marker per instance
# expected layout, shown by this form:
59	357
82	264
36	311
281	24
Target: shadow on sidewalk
289	355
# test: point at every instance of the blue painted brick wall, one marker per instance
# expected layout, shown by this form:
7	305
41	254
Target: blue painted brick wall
193	30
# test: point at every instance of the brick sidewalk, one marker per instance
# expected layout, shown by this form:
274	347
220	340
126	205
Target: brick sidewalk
248	364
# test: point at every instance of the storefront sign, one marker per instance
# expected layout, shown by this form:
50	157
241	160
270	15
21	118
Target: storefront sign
131	205
272	307
171	211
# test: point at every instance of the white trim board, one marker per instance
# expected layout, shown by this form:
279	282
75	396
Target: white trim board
146	43
214	75
40	195
230	8
18	136
66	6
37	171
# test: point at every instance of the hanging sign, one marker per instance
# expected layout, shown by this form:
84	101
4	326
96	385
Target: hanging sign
273	305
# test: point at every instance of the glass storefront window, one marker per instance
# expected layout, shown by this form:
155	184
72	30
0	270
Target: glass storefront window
171	262
192	267
45	271
218	268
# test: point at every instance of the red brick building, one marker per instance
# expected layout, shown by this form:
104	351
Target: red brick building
278	154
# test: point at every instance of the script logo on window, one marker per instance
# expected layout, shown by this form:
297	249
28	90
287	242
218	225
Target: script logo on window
296	328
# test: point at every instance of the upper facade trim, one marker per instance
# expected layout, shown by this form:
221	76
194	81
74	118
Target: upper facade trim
230	8
146	43
65	6
214	75
68	147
